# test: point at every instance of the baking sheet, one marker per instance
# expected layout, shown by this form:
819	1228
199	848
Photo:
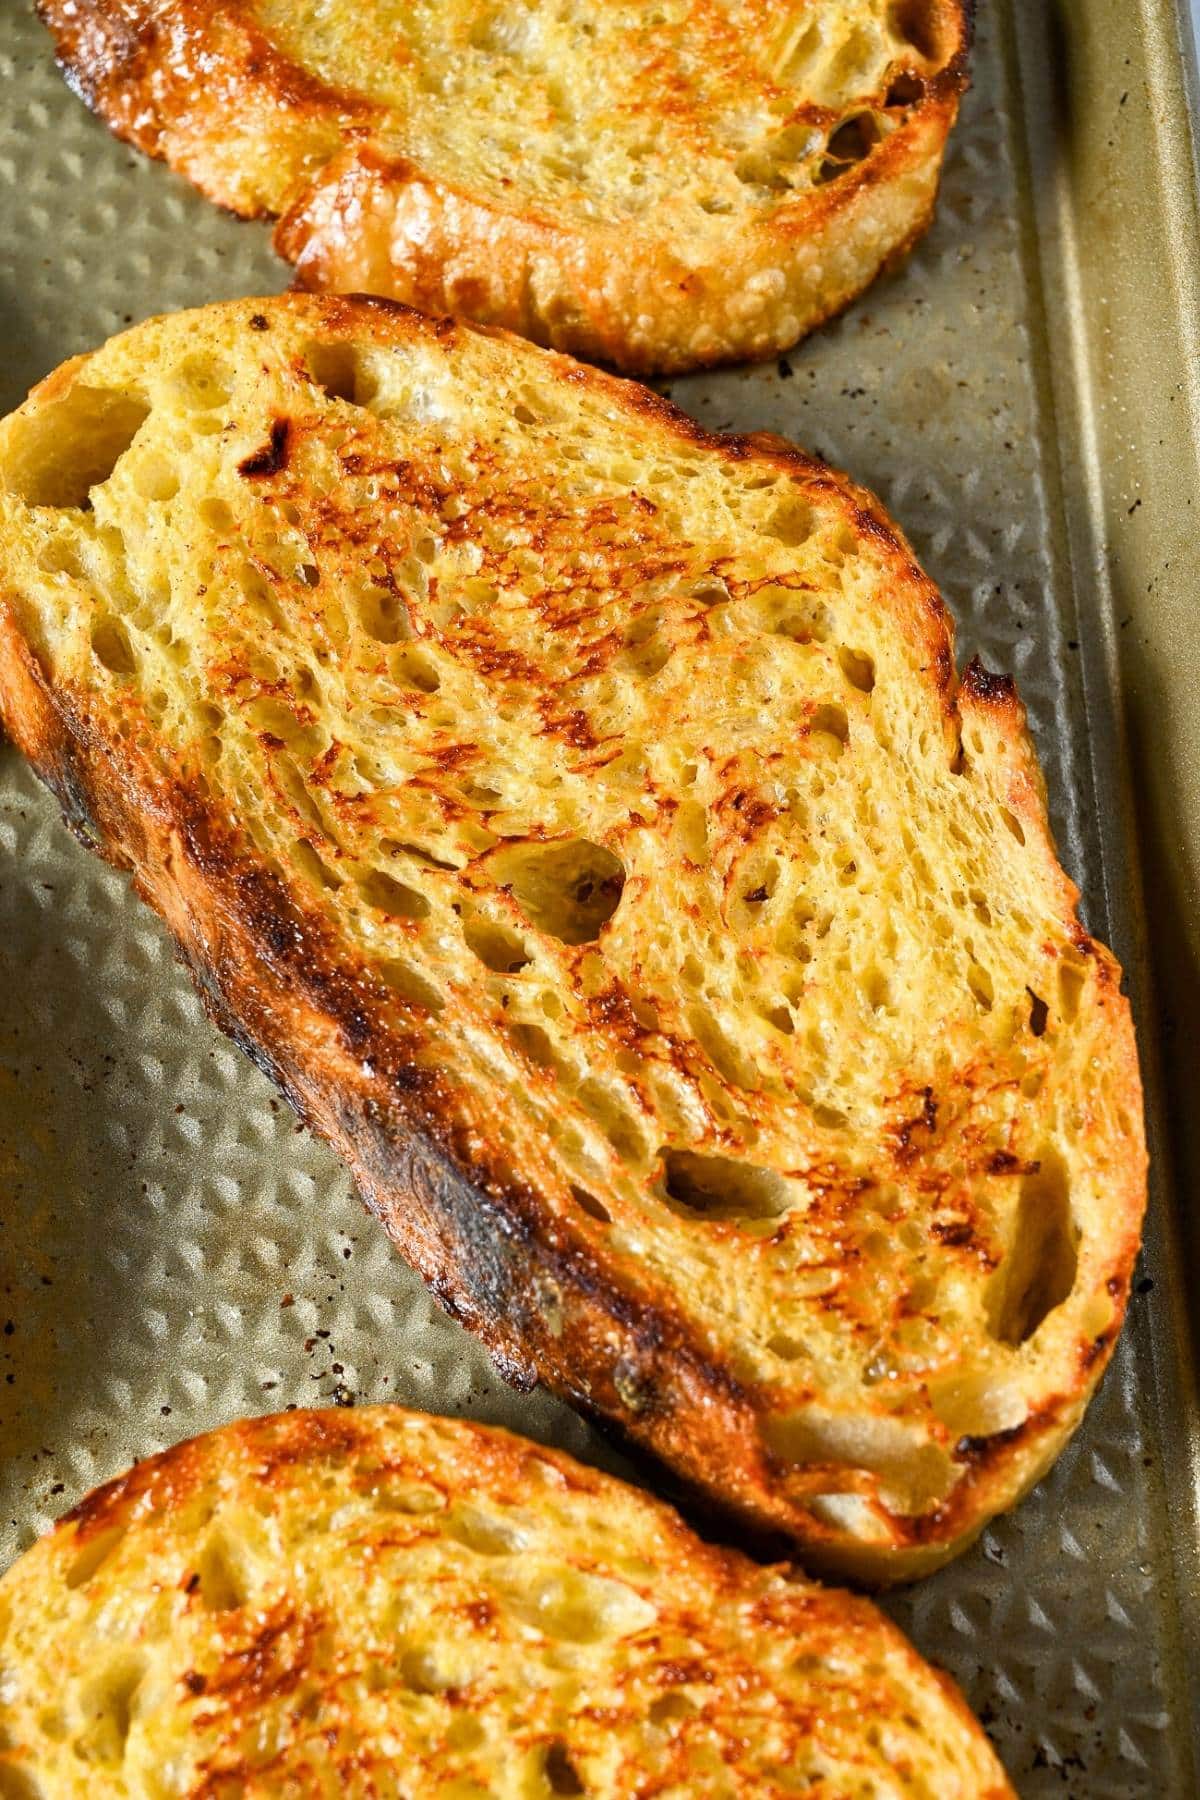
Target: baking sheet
175	1251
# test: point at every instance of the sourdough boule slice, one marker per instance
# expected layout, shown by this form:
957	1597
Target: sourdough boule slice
657	187
581	819
385	1606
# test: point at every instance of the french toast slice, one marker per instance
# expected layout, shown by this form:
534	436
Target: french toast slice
580	817
656	187
377	1605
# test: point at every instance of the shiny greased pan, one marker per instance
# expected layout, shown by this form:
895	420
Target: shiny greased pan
174	1251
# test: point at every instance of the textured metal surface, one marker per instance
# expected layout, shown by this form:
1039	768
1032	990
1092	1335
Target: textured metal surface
174	1252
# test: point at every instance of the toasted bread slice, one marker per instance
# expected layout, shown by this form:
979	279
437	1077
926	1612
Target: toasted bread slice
657	187
580	817
381	1604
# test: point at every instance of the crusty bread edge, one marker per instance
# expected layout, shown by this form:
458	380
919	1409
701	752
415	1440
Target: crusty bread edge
602	291
521	1280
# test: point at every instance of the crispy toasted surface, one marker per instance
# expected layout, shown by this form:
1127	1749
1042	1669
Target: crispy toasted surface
579	815
384	1604
655	187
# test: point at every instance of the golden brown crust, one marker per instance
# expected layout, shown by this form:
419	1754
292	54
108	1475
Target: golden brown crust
597	1327
209	89
319	1596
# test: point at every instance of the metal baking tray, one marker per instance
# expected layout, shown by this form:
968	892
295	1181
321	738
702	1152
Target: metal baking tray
1025	395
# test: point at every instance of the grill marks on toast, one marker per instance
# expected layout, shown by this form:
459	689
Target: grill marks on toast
654	187
378	1604
626	769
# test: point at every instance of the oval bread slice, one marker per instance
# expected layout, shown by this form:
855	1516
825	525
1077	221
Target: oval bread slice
380	1604
580	817
655	187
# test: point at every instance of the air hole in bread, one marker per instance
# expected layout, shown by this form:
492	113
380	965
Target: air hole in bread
412	668
710	590
562	1777
204	383
155	479
216	514
485	1533
221	1585
917	23
61	557
409	985
1013	824
759	880
408	1498
1039	1013
281	725
496	946
482	795
789	610
717	1187
1038	1271
615	1120
1072	977
95	1551
570	890
313	864
72	445
858	668
535	1044
853	65
830	722
876	988
958	756
981	985
106	1707
647	658
588	1203
421	1671
905	89
691	823
334	369
394	847
854	138
579	1608
111	646
912	1475
801	53
395	898
721	1052
792	522
258	597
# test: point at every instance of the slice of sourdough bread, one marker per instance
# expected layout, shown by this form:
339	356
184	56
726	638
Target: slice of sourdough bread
655	186
382	1606
580	817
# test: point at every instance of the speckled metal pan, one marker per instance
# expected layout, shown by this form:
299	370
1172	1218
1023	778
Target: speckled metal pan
1025	396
